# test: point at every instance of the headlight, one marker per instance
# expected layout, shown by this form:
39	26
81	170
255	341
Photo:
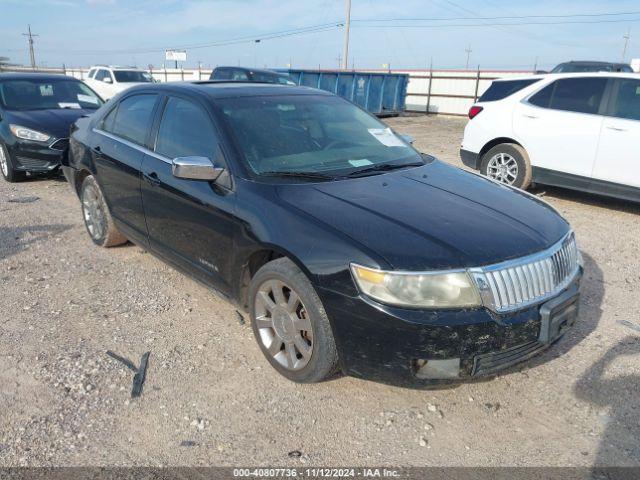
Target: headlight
28	134
442	289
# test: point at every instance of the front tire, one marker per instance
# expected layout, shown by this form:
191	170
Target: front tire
96	215
290	323
6	167
507	163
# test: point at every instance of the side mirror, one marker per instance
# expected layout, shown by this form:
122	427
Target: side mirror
408	138
195	168
107	80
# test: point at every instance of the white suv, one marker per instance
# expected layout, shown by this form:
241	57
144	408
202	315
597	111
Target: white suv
108	81
579	131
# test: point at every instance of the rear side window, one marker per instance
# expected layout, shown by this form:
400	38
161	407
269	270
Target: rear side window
582	95
627	100
133	117
185	130
504	88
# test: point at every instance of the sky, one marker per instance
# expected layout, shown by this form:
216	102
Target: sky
310	33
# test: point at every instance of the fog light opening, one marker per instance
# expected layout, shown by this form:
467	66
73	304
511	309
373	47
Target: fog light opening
426	369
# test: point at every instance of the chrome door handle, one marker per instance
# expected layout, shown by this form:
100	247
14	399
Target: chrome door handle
529	116
617	129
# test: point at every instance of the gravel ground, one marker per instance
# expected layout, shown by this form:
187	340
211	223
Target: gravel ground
211	398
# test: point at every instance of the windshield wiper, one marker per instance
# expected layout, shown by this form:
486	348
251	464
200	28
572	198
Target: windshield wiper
311	175
383	167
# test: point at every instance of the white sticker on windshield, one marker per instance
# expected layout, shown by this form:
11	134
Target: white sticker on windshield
46	90
386	137
87	99
69	105
360	163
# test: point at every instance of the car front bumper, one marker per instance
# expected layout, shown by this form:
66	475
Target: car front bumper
35	157
389	344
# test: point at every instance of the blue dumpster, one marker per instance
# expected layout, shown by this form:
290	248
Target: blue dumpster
382	94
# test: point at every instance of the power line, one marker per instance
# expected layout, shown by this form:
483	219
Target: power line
232	41
521	24
502	17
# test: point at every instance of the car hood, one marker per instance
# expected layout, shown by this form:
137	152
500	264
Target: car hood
56	122
431	217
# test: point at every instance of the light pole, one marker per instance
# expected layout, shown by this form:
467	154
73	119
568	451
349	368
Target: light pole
347	25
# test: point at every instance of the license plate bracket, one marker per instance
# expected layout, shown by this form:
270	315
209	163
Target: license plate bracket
558	315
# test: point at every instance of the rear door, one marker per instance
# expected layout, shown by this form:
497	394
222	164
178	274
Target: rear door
560	124
618	158
189	221
119	144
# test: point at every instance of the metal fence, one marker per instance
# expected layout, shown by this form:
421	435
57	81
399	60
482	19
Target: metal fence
449	92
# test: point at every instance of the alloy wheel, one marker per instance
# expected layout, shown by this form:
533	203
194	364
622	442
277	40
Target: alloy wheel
94	215
503	168
4	164
283	324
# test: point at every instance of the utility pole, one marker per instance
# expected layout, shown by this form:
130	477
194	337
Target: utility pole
347	25
626	37
468	50
32	55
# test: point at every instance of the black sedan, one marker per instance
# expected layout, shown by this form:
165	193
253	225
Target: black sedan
351	251
36	112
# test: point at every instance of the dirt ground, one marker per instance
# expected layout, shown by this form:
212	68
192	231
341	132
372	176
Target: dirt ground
210	397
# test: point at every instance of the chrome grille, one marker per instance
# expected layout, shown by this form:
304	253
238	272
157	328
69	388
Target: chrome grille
518	283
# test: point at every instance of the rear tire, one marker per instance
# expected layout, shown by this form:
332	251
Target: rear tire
290	323
507	163
6	167
96	215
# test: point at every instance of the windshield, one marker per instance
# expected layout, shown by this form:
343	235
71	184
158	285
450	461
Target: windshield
264	77
312	134
132	76
35	94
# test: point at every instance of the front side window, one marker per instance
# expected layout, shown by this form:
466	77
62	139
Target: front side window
132	76
627	100
92	72
582	95
34	94
185	130
133	117
100	74
503	89
311	134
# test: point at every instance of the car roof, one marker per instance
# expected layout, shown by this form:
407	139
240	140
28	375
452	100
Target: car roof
32	75
591	62
570	75
222	89
255	70
117	67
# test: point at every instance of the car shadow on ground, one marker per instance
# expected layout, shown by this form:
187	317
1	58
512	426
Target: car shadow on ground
585	198
14	240
617	395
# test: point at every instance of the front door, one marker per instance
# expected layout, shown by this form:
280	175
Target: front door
117	150
561	125
618	158
190	221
